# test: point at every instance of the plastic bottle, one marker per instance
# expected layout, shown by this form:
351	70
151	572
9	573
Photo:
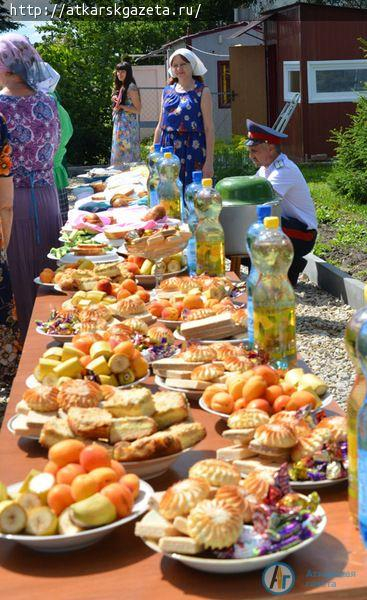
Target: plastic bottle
355	401
174	156
169	186
209	232
273	296
153	178
262	211
191	218
362	439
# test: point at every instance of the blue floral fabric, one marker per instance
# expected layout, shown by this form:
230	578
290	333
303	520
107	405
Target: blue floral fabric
125	136
183	128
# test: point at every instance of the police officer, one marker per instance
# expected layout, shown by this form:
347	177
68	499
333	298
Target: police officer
299	220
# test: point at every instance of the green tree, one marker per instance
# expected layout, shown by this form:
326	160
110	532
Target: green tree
5	23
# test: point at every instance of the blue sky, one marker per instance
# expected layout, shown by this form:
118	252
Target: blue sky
28	28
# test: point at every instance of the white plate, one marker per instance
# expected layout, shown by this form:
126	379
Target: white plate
31	382
240	565
57	338
66	543
10	426
191	394
203	405
315	485
149	469
102	239
234	341
39	282
70	258
57	288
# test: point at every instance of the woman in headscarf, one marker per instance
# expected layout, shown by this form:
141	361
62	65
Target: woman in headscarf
186	120
34	129
126	108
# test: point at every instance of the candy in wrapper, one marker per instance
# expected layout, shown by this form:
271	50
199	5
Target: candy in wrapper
260	518
281	479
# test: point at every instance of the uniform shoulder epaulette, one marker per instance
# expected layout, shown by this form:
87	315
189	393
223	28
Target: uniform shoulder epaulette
279	163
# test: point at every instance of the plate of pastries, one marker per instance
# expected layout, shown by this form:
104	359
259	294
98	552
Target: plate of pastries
211	522
85	276
79	498
313	446
203	366
265	388
143	431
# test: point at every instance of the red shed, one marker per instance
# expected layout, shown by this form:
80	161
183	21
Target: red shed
312	49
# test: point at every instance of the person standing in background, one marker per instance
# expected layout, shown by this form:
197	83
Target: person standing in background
60	172
186	120
126	108
34	130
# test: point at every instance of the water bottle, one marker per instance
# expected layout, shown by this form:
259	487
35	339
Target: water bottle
262	211
169	186
354	403
273	296
191	218
174	156
153	178
209	235
362	439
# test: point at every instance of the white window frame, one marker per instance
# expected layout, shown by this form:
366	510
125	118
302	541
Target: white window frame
288	67
315	97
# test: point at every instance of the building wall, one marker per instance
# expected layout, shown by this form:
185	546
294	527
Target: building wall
212	48
150	80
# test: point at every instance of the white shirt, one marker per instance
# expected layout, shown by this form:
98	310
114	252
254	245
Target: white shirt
289	183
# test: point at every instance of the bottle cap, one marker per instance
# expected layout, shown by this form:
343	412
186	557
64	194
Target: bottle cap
197	176
157	147
167	155
168	149
263	210
207	182
271	222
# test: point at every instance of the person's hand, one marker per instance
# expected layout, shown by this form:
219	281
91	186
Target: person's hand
208	170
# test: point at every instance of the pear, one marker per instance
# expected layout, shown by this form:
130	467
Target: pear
42	521
312	383
13	517
66	526
41	484
3	492
293	376
94	511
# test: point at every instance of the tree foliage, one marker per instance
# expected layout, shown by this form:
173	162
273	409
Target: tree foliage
5	23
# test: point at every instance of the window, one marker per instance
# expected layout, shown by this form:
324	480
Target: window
291	79
224	84
336	80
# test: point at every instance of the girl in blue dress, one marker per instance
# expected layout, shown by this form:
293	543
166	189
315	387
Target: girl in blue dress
186	120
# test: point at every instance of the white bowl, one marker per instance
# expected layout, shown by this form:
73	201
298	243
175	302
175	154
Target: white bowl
241	565
191	394
154	467
204	406
150	280
56	337
102	239
67	543
39	282
31	382
70	258
315	485
234	341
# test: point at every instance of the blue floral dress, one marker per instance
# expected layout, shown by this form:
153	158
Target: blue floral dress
10	346
183	128
125	136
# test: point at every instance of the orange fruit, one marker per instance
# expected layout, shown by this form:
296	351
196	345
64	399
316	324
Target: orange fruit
261	404
51	467
193	301
132	268
103	476
83	486
129	285
118	468
211	390
133	483
65	452
240	403
144	295
272	393
299	399
280	403
122	293
268	373
68	473
121	497
170	313
93	457
139	366
59	497
222	402
254	388
126	348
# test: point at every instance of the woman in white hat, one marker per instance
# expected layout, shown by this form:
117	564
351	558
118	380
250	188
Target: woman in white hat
186	120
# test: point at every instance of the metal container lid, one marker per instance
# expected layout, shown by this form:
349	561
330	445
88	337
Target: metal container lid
245	190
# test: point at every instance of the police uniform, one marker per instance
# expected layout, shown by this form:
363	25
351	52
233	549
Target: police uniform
298	215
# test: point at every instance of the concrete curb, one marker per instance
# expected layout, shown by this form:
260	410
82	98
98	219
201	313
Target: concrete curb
335	281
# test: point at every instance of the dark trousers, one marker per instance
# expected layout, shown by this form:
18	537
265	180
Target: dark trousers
298	234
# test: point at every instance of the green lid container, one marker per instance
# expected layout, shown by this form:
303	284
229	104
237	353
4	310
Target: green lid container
245	190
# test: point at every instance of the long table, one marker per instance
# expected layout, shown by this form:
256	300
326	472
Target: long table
121	566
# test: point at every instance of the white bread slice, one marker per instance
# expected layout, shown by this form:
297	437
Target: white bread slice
180	523
180	545
154	500
175	363
154	526
231	453
36	418
240	436
172	373
21	427
187	384
248	465
207	323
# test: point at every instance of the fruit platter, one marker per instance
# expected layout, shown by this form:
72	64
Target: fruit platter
79	498
211	522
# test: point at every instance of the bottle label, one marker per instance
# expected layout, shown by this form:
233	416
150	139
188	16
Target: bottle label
362	487
153	196
191	256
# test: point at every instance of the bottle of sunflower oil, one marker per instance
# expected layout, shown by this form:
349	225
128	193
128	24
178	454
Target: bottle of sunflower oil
209	235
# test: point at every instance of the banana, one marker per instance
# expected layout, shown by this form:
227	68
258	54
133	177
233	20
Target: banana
126	377
96	295
293	376
118	363
94	511
108	380
41	485
3	492
66	526
173	265
312	383
55	353
69	351
24	487
146	267
70	368
99	366
28	500
13	517
50	379
100	349
42	521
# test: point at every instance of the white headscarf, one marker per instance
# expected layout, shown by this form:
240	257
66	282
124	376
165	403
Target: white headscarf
198	67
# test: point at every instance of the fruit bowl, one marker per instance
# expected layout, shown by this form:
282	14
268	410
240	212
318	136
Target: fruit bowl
153	467
76	541
38	281
31	382
57	337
